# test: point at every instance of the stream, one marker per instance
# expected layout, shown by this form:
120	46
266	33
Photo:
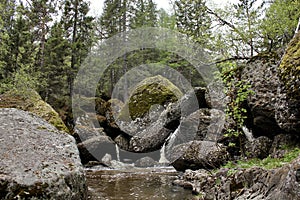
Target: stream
135	184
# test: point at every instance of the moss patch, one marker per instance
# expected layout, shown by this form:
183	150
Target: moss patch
290	68
267	163
31	101
151	91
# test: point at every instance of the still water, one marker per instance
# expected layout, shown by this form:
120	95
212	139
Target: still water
135	184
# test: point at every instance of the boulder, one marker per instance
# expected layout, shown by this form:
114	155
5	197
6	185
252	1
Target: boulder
258	148
37	161
197	155
288	98
145	162
95	148
31	101
206	124
151	91
261	73
149	133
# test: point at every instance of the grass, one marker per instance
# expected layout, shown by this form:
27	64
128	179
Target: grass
267	163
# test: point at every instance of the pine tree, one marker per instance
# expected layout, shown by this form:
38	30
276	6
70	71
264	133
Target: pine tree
79	31
193	19
57	57
144	14
40	13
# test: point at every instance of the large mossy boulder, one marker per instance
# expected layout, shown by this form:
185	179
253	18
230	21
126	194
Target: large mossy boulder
151	91
288	100
31	101
36	160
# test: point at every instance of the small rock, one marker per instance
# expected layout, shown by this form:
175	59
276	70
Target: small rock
145	162
106	159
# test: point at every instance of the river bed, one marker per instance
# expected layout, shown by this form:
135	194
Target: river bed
135	184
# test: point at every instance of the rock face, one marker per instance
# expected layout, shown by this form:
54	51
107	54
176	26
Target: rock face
254	183
288	99
36	160
258	148
261	72
31	101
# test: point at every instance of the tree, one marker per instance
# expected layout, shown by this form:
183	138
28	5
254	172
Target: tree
79	31
56	64
192	18
40	13
280	23
166	20
238	28
144	14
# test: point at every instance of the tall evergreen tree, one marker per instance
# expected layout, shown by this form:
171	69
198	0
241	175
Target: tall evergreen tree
40	13
79	31
57	57
193	19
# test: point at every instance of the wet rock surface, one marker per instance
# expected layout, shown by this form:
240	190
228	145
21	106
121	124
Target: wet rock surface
37	161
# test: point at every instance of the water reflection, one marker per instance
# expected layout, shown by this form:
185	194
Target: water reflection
135	184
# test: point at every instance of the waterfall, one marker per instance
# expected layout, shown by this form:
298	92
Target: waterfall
248	133
170	142
163	158
118	152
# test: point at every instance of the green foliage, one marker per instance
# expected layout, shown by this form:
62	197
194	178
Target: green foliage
267	163
193	19
166	20
238	90
280	22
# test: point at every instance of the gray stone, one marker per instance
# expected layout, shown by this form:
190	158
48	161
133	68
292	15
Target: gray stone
145	162
197	155
37	161
95	148
258	148
261	73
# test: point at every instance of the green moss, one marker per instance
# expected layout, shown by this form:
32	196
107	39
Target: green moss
151	91
32	102
267	163
290	67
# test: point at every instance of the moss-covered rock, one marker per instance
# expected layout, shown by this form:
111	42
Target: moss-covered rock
290	68
288	101
151	91
31	101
